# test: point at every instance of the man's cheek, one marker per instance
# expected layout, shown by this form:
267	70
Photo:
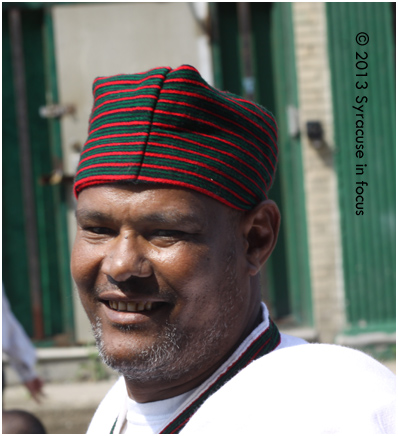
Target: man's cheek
78	264
90	308
85	265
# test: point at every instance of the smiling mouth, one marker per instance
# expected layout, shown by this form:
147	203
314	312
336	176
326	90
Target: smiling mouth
130	306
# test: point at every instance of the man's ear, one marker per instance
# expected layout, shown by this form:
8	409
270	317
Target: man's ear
261	227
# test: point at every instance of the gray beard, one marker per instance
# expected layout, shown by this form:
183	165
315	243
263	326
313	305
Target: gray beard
172	356
178	352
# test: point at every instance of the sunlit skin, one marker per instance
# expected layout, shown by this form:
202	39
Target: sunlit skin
191	256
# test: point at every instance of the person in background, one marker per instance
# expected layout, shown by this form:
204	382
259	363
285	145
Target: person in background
20	351
21	422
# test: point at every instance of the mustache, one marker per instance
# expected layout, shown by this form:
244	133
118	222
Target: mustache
137	288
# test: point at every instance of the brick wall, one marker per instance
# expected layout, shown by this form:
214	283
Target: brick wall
320	181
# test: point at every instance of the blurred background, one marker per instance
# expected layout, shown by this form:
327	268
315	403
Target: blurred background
332	276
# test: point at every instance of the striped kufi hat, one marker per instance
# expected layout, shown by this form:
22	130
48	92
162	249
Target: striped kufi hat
169	126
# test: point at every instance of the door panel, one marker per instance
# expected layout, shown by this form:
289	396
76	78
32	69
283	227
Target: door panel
286	279
367	222
47	199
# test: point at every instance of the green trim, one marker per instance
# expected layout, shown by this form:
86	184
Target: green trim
230	80
14	260
46	196
45	343
368	240
32	21
381	327
59	191
287	283
215	44
113	426
275	278
38	5
291	166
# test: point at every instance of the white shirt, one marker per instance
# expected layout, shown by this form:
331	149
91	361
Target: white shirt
16	344
303	390
298	388
150	418
116	403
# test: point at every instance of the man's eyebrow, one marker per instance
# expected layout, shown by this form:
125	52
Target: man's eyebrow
87	214
171	217
168	217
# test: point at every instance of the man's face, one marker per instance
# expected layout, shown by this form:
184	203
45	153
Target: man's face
162	276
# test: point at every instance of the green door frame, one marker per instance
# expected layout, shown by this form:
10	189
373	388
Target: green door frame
368	225
290	165
61	192
50	204
288	277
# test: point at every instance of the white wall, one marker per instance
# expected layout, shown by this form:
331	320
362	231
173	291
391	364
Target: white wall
102	39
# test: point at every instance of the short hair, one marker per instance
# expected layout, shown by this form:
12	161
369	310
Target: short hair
21	422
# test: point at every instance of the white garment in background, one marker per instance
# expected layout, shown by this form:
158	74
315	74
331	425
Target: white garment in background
16	344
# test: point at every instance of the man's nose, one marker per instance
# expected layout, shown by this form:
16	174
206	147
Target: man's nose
125	258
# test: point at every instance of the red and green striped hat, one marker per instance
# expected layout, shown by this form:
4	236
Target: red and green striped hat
169	126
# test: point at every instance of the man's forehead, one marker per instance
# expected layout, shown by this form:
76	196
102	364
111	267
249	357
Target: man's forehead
155	203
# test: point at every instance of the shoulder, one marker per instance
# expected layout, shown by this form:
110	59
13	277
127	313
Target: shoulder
316	366
290	341
305	388
331	356
109	409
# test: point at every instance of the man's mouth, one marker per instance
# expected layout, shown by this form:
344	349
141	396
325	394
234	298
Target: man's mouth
130	306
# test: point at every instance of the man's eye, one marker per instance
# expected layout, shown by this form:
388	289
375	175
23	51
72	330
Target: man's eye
99	230
168	233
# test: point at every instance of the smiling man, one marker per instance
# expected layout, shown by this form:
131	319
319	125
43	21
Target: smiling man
173	227
170	301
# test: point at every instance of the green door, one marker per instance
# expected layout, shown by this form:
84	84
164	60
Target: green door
286	278
35	259
363	86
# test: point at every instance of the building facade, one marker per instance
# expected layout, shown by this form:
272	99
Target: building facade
327	72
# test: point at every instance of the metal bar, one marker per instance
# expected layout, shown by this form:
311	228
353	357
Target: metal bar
245	29
26	169
244	24
215	45
59	192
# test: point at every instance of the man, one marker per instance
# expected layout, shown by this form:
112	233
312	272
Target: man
174	225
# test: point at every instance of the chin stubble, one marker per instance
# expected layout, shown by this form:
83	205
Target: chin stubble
172	355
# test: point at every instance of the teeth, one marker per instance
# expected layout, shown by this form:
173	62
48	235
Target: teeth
130	306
